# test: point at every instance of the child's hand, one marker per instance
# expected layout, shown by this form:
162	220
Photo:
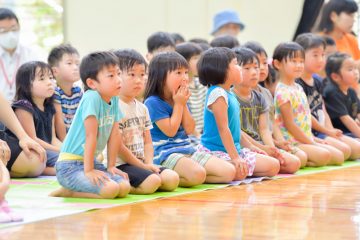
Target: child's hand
335	133
152	167
97	177
321	141
4	152
257	150
182	95
241	166
284	145
115	170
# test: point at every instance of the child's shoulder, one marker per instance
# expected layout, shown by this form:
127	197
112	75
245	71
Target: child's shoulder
23	104
153	100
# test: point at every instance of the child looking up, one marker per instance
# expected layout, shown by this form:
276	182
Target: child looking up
136	150
166	96
219	70
95	126
35	109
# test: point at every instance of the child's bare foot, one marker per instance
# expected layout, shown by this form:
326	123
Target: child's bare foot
61	192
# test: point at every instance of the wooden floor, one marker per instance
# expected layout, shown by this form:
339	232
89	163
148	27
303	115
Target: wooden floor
317	206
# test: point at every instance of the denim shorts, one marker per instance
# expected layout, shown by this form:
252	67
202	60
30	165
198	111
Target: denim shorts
52	157
71	175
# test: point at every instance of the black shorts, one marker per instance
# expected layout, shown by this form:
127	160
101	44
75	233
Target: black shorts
136	175
15	149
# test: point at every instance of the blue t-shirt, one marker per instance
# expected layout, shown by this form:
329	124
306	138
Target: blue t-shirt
211	137
69	104
106	114
164	145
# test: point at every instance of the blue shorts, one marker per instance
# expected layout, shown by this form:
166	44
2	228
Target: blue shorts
320	135
52	157
71	175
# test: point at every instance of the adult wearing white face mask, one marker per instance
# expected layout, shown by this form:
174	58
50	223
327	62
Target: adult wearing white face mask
12	54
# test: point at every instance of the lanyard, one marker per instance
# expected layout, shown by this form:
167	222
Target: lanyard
9	82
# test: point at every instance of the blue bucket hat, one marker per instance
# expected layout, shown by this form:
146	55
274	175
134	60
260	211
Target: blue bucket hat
225	17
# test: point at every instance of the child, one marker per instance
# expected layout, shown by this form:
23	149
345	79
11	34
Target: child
35	110
144	176
314	47
159	42
254	110
225	41
191	52
28	154
266	83
218	69
292	112
341	101
166	96
94	126
64	62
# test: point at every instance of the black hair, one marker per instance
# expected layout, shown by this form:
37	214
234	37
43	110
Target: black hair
334	63
245	55
310	41
199	40
213	65
26	75
177	37
329	41
256	47
128	58
6	13
288	50
57	53
159	40
188	50
225	41
326	24
93	63
159	67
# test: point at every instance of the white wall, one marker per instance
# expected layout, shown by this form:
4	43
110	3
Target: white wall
111	24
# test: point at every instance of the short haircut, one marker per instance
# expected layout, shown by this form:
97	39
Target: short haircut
6	13
326	24
329	41
334	63
159	67
310	40
93	63
25	77
159	40
256	47
245	55
128	58
188	50
199	40
213	65
56	54
288	50
177	37
225	41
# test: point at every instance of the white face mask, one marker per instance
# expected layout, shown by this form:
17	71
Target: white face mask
9	40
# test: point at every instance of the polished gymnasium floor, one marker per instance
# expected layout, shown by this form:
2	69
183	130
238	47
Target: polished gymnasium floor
316	206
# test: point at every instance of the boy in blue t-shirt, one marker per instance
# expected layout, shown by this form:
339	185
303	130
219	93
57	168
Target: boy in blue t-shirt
64	62
94	126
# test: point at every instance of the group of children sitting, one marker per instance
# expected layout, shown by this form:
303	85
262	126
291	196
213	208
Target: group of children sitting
190	116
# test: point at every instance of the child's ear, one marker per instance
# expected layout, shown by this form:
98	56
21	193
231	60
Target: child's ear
333	16
276	63
91	83
55	71
336	77
149	56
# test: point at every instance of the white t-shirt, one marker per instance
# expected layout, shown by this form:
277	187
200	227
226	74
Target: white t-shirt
9	65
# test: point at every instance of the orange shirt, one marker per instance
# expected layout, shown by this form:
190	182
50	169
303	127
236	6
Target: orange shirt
348	44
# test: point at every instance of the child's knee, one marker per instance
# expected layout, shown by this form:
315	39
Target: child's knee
169	180
109	190
322	158
293	164
150	184
124	189
337	157
197	175
229	172
273	167
302	157
30	166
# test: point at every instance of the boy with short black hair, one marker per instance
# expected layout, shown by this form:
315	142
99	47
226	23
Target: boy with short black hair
159	42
